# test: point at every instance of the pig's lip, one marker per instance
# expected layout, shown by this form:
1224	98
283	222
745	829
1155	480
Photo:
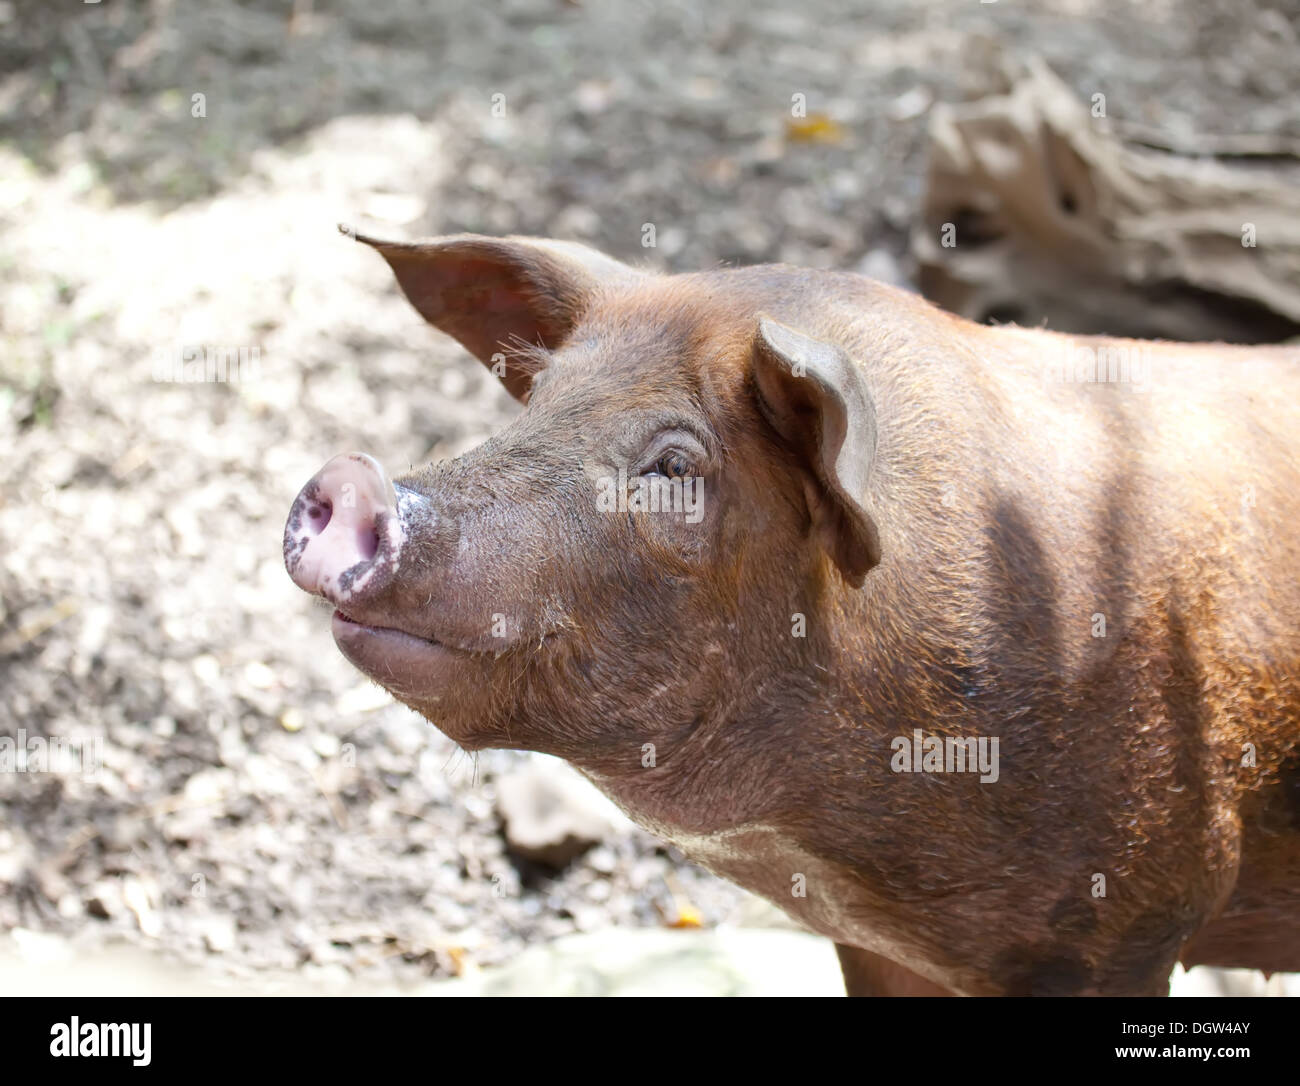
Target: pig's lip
348	626
394	658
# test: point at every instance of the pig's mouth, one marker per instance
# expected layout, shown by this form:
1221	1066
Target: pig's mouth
411	666
355	626
342	618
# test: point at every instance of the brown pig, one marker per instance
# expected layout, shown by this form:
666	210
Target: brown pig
976	650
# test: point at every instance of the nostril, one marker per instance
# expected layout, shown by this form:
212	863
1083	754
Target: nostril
367	540
319	517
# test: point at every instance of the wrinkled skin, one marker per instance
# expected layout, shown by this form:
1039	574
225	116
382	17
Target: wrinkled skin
903	526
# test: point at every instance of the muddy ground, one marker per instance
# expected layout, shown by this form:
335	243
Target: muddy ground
260	804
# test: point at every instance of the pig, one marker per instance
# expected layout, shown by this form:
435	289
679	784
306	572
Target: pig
974	649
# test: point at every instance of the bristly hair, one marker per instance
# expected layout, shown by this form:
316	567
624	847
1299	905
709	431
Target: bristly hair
526	358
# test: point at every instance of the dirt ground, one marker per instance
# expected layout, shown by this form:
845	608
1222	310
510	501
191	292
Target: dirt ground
260	803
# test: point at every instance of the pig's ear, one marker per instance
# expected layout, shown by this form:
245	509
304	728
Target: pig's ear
494	294
816	400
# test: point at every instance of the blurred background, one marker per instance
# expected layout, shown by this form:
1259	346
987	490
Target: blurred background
171	173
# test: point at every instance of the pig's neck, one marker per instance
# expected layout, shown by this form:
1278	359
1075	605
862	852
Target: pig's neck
786	730
812	716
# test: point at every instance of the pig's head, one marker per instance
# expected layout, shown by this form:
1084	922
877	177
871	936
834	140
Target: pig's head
523	595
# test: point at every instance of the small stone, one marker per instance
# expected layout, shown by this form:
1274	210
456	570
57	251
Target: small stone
324	744
552	815
292	719
365	698
207	669
259	676
218	932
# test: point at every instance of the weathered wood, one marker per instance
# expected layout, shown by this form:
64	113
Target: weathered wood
1036	210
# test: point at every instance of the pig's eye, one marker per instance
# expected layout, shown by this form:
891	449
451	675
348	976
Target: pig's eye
673	465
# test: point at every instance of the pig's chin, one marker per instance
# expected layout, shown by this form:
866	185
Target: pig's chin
412	668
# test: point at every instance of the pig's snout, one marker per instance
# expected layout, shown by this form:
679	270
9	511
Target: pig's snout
344	536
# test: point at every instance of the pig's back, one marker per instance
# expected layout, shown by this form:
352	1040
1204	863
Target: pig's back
1169	504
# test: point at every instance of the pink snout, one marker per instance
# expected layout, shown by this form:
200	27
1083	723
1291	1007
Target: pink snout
344	536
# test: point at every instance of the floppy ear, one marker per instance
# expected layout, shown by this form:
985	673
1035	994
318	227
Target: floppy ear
816	400
493	293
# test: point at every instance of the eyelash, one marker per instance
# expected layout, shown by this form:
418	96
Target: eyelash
661	466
